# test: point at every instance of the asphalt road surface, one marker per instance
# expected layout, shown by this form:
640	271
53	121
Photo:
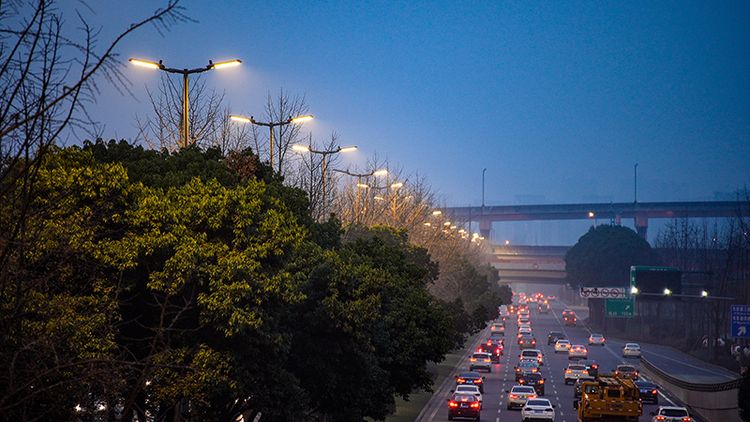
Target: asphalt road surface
502	377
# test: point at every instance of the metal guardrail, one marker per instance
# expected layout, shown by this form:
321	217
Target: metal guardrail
691	386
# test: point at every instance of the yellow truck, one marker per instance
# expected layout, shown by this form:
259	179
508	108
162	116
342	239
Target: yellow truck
608	398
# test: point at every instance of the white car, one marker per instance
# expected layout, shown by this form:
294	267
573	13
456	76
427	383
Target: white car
536	409
469	389
533	355
562	345
577	351
596	339
671	414
576	371
480	360
631	350
519	395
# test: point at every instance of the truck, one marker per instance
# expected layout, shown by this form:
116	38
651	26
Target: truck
608	398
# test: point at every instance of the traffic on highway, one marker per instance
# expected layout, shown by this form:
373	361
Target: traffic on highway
531	365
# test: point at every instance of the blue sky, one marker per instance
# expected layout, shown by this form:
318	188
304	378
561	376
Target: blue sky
557	100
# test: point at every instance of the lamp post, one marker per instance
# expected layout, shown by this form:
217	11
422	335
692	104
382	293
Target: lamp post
483	171
270	126
185	88
359	177
325	154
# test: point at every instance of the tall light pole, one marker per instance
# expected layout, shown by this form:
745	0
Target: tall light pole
325	154
185	89
635	183
483	171
270	126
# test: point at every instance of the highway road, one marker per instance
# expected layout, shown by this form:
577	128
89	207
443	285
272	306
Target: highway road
502	376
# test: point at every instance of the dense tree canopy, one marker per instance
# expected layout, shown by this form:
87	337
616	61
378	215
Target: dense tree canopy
603	256
214	288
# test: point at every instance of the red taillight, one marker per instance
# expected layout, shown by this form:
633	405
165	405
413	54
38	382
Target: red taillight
585	351
653	392
489	343
686	419
541	381
568	371
477	381
498	350
635	374
661	418
534	370
585	372
512	396
452	404
475	405
533	341
521	381
460	380
533	396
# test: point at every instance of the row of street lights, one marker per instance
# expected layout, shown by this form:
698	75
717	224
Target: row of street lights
185	127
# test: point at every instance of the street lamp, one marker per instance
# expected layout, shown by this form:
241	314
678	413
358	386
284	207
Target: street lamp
270	126
325	154
185	89
360	176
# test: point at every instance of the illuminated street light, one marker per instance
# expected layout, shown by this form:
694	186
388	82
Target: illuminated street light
270	126
325	154
633	290
185	89
704	293
667	292
359	177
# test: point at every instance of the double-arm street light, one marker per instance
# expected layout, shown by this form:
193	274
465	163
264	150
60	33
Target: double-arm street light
271	125
360	176
325	154
185	88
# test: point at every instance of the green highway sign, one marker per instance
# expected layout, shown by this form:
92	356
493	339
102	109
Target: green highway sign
623	308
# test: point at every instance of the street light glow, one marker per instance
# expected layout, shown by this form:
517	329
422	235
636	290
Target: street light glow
667	292
704	293
301	119
347	149
227	64
437	212
144	63
300	148
380	172
241	119
633	290
397	185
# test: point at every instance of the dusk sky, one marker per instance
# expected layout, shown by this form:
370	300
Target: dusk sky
557	100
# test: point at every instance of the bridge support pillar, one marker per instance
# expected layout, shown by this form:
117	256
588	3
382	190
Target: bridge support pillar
641	224
485	226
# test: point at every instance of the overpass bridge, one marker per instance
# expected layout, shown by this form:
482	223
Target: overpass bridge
529	264
640	211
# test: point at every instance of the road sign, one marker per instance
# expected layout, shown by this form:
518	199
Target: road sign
741	321
603	292
623	308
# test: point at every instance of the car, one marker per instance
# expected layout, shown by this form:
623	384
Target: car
578	388
533	379
578	351
562	345
591	366
671	414
480	360
544	308
526	367
570	319
523	320
532	354
553	336
626	372
631	350
471	378
469	389
596	339
497	335
464	406
498	328
567	311
526	341
519	395
538	409
494	347
575	371
524	330
647	391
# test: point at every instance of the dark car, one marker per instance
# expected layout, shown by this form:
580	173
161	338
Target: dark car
647	391
527	341
591	366
553	336
534	380
464	406
494	347
578	388
471	377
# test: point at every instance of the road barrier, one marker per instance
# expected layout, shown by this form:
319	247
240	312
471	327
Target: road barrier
714	402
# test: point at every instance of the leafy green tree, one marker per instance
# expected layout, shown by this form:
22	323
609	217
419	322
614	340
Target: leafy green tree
604	255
